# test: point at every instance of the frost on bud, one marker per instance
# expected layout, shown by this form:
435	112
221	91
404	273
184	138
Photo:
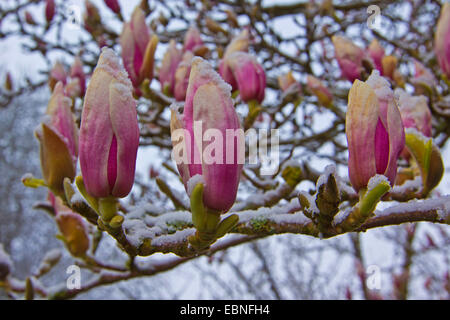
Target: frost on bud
138	48
244	73
319	89
442	39
49	10
170	62
209	108
182	76
109	133
374	130
349	56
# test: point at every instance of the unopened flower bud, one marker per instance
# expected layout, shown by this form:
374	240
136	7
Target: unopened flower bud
182	76
244	73
170	62
76	72
349	56
49	10
319	89
57	73
209	105
376	53
374	130
113	5
109	133
74	231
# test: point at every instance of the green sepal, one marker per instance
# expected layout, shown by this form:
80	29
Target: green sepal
226	225
31	182
93	202
369	199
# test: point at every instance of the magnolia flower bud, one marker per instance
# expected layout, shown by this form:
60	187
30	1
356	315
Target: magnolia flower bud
209	107
29	18
62	119
414	111
49	10
170	62
58	139
182	76
76	72
349	56
243	72
376	53
374	130
113	5
92	19
109	133
192	39
138	48
442	39
58	73
319	90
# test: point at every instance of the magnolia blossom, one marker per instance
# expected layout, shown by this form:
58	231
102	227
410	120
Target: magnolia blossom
192	39
209	107
109	132
374	130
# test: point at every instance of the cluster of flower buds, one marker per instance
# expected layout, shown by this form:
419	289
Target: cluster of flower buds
176	64
442	39
375	132
138	48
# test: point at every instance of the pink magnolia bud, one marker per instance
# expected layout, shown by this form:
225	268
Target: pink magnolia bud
113	5
243	72
349	57
58	138
49	10
170	62
109	133
138	48
376	53
62	119
58	73
182	76
414	111
374	130
209	108
319	90
442	39
77	72
192	39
